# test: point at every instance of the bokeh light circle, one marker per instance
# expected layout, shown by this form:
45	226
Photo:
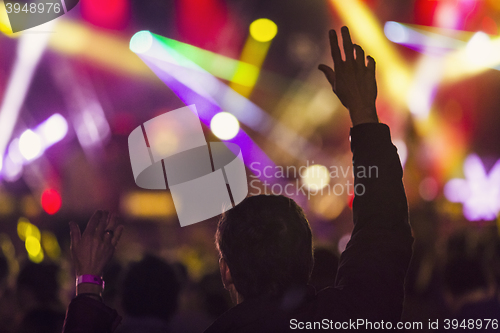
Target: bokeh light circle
51	201
30	145
224	125
316	177
263	30
141	42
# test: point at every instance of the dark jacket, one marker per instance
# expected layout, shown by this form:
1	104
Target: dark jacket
372	269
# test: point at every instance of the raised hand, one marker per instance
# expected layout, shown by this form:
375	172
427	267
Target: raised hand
93	249
352	80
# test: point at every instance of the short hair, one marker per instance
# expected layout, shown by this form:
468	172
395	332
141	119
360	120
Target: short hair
267	244
150	288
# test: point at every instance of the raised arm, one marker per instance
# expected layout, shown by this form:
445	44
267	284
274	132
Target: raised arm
91	252
373	266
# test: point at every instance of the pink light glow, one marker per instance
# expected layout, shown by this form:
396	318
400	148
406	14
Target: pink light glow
479	192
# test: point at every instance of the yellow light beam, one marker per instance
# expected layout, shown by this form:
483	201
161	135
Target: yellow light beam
262	32
473	59
254	53
365	28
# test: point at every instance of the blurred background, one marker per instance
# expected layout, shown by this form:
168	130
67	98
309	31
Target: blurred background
73	89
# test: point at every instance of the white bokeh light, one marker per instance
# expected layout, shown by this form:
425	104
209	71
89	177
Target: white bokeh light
316	177
225	126
53	129
30	145
396	32
478	48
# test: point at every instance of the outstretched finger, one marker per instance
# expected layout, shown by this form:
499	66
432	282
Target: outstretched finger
93	223
348	47
335	50
117	235
113	222
103	222
74	232
329	74
371	64
360	57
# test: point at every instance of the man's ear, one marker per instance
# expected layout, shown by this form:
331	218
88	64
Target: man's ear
225	274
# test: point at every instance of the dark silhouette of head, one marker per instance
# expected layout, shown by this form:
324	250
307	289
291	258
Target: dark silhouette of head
265	247
40	281
150	289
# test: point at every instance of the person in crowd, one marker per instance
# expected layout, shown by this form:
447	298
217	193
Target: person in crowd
149	296
469	280
265	242
324	272
38	296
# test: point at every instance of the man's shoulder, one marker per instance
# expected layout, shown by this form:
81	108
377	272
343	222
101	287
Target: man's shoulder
284	314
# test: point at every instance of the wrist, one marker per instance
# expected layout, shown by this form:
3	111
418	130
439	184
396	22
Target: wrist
364	115
88	288
89	284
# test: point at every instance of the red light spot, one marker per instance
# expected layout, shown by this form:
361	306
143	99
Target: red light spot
51	201
489	26
110	14
350	200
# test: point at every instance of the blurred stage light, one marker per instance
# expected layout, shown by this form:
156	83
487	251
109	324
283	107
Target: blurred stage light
469	61
263	30
316	177
33	246
14	153
254	52
141	42
29	51
366	30
4	21
175	52
11	171
396	32
26	229
194	85
34	249
157	204
447	15
30	145
50	245
329	206
478	48
224	125
428	189
427	40
91	125
110	14
479	192
52	130
489	26
51	201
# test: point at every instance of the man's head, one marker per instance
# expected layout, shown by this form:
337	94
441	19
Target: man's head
265	246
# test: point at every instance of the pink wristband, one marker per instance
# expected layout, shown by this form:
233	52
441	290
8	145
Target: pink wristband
87	278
